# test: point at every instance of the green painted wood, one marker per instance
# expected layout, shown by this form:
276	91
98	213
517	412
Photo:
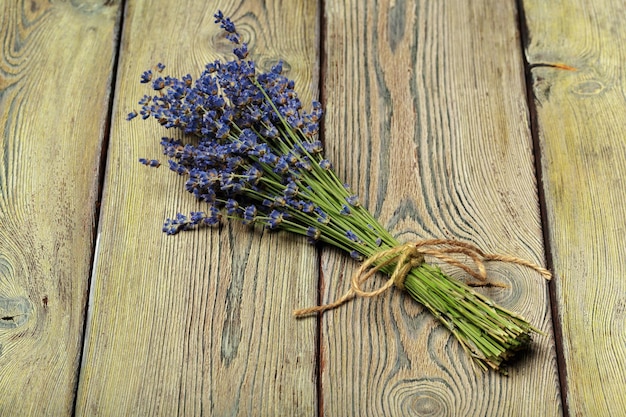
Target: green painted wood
426	115
55	75
199	323
582	131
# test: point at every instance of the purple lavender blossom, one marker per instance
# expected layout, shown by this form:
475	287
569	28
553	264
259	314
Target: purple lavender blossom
255	155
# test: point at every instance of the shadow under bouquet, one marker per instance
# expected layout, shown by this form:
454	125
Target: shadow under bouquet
254	155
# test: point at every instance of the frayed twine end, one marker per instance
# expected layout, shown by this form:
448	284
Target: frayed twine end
411	255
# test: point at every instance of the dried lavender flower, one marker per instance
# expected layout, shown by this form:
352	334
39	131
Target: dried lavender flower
257	158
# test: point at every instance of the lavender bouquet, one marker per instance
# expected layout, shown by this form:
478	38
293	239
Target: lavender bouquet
254	155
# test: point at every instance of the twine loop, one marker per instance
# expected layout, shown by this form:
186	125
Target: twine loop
410	255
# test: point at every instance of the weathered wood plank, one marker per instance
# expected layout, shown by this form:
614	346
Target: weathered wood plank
55	76
427	117
199	323
581	129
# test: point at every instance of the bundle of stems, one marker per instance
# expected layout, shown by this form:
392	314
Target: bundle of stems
253	154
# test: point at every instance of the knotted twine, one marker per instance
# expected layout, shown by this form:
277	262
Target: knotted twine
411	255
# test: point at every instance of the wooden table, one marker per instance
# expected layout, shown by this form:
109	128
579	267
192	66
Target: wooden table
500	123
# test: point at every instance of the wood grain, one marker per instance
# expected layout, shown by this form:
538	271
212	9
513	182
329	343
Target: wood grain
581	129
55	76
199	323
426	115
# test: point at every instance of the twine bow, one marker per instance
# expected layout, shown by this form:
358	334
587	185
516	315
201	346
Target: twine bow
411	255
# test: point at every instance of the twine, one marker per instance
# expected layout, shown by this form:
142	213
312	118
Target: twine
411	255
